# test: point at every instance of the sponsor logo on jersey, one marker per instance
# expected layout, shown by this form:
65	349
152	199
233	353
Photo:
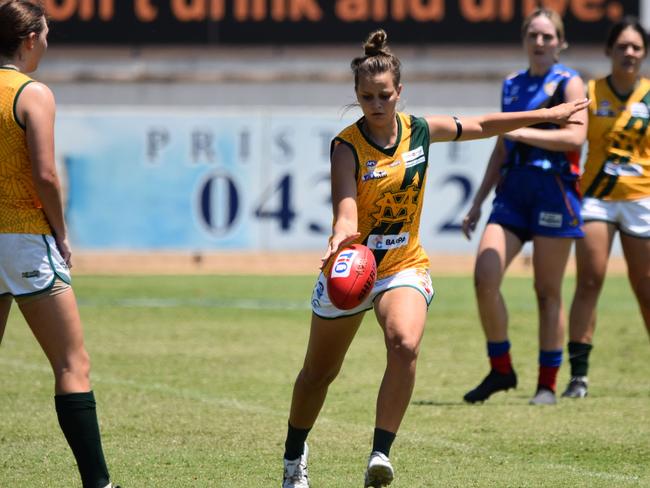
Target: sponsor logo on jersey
414	157
550	219
398	207
618	169
532	88
389	241
604	112
397	162
371	163
550	87
374	175
605	109
640	110
343	264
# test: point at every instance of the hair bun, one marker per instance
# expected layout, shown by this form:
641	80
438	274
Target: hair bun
376	43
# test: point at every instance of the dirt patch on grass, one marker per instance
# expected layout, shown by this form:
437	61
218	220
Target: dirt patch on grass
256	263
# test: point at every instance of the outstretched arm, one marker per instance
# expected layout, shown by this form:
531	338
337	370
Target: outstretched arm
344	201
568	138
443	128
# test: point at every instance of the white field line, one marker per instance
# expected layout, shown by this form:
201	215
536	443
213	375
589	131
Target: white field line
243	304
234	404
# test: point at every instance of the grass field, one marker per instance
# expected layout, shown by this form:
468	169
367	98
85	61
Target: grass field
193	377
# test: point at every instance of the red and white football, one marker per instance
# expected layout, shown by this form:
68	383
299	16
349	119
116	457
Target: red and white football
351	276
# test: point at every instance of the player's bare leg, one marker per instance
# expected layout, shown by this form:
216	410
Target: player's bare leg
329	340
401	313
550	257
56	324
497	249
592	256
5	307
637	256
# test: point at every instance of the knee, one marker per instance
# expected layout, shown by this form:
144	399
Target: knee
403	350
317	378
589	284
547	295
486	282
76	365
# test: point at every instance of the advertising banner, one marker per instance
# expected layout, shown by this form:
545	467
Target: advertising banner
300	22
242	180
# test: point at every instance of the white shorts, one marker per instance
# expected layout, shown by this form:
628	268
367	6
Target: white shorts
632	217
415	278
29	264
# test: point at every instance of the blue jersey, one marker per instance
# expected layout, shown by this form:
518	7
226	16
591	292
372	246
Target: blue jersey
521	91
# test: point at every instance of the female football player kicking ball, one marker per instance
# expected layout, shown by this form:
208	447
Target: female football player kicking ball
378	172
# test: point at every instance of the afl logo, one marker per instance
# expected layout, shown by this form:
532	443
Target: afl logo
217	203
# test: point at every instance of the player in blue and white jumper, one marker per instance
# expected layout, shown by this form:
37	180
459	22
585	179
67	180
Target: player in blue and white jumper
535	170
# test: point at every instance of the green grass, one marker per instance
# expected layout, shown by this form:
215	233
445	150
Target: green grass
193	377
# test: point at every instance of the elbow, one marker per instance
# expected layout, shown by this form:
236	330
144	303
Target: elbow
45	179
575	145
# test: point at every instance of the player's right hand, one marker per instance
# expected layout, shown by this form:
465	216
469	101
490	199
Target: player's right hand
336	242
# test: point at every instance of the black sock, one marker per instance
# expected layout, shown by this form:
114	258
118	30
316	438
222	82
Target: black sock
78	421
294	446
579	358
382	440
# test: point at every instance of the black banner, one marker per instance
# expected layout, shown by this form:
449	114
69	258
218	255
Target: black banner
300	22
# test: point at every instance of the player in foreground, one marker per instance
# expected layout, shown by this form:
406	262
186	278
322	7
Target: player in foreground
535	170
616	189
34	250
378	173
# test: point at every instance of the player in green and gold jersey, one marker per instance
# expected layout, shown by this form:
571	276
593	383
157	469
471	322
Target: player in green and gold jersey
616	188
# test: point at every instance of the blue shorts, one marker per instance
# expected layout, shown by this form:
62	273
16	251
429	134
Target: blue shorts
530	202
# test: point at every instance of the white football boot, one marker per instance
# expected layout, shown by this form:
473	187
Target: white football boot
295	472
380	472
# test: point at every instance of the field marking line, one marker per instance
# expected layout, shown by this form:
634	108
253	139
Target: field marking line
243	304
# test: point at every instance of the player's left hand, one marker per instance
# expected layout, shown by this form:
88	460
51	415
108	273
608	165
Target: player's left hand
64	249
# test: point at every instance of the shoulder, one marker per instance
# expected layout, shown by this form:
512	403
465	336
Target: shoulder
35	103
644	83
515	75
349	131
417	125
561	71
343	150
39	93
410	120
596	84
513	79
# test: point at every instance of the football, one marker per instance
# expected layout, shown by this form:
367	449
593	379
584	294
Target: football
351	277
